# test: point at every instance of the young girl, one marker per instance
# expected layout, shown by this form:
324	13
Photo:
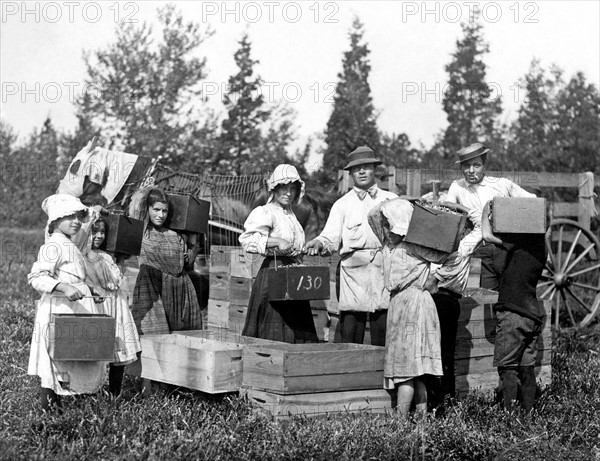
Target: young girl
413	330
273	230
59	275
105	277
162	283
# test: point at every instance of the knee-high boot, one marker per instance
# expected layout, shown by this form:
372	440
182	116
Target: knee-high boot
528	387
509	378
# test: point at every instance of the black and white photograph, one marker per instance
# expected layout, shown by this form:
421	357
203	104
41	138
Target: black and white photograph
300	230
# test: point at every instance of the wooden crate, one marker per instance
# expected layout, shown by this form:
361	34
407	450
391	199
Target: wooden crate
240	289
298	282
224	314
219	286
520	215
196	363
123	235
476	334
81	337
320	404
436	229
189	214
306	368
234	261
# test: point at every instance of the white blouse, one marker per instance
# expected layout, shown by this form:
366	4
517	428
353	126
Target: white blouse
271	220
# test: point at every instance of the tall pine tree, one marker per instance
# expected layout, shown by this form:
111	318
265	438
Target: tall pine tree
353	121
471	106
255	136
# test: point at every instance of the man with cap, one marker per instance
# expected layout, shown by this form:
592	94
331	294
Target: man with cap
469	195
347	230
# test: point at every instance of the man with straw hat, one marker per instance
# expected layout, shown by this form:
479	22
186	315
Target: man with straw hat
347	230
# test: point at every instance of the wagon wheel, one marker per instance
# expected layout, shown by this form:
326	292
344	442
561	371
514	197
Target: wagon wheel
571	277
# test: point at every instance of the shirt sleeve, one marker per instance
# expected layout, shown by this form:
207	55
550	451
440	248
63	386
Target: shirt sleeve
514	190
452	193
42	275
331	235
257	228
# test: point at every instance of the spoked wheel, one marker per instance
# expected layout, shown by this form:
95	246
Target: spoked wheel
571	278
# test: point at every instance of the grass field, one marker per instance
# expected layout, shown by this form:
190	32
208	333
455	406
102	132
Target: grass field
186	425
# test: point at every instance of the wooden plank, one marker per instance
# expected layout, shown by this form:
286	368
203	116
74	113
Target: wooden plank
477	365
565	209
218	287
488	381
195	363
284	406
226	335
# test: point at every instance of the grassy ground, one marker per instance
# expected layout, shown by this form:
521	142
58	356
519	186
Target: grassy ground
185	425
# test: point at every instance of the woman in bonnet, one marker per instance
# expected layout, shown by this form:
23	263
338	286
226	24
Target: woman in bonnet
273	231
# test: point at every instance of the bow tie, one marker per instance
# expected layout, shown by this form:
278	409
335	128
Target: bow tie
372	191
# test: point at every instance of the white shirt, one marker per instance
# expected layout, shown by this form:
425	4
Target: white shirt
347	228
475	196
271	220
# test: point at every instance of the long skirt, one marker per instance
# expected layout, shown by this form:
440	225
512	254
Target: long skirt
285	321
412	346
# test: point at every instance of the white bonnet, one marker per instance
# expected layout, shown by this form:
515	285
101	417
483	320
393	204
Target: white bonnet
285	174
398	213
60	205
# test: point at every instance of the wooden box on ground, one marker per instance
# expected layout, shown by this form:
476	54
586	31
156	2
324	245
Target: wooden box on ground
306	368
81	337
476	334
196	363
436	229
298	283
323	403
520	215
189	214
123	235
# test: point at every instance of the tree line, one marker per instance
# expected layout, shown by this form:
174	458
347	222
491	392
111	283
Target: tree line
150	103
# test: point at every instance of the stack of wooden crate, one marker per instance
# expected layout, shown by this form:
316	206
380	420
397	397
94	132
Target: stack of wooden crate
282	379
231	274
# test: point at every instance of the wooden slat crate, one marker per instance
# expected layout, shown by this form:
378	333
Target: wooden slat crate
219	286
196	363
307	368
320	404
476	335
240	289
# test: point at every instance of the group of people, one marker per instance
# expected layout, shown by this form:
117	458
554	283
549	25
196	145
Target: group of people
409	294
75	276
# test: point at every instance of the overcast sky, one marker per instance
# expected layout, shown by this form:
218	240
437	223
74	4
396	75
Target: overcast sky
299	46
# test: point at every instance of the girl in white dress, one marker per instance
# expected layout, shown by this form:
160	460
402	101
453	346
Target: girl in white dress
59	275
273	231
104	275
